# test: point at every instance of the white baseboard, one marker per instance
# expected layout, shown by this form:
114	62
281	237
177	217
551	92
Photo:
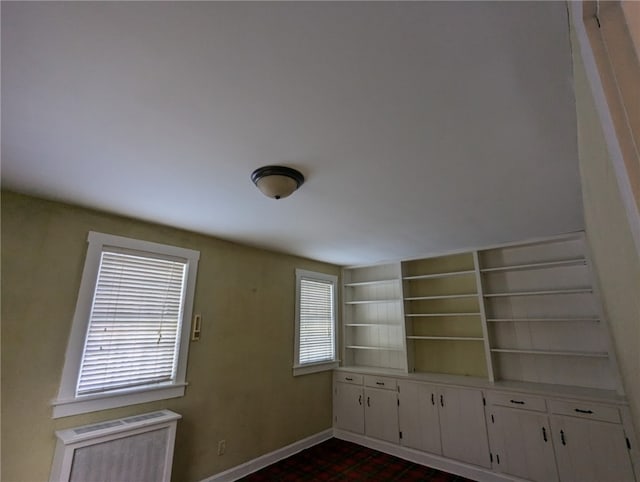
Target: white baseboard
435	461
473	472
263	461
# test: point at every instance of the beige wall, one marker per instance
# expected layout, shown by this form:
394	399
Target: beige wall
240	384
615	259
631	9
610	40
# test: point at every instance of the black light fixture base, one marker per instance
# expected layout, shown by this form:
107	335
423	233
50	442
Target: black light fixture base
277	171
262	173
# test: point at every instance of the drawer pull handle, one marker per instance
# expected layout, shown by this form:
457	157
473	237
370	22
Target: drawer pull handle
441	401
349	379
583	411
518	402
564	442
368	401
433	402
360	400
544	434
380	383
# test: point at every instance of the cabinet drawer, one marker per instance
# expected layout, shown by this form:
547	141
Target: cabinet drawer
354	378
517	400
380	382
585	410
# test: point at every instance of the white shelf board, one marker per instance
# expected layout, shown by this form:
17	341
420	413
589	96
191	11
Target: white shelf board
588	354
449	274
382	348
441	297
438	315
454	338
542	320
364	302
373	370
538	265
372	283
540	292
372	324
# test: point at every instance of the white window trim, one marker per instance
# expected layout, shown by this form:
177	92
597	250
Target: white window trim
67	403
306	368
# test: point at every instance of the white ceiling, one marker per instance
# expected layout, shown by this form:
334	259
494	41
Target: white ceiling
421	127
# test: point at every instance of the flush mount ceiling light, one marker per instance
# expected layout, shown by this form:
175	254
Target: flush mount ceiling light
277	182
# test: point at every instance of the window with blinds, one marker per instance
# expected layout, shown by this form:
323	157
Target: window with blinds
315	319
129	339
134	326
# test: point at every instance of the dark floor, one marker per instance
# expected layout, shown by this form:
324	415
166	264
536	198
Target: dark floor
335	460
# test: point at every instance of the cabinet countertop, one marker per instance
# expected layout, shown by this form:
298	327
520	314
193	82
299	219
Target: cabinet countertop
547	390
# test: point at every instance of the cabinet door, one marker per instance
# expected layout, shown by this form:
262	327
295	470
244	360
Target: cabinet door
381	414
462	425
521	441
590	451
418	417
348	407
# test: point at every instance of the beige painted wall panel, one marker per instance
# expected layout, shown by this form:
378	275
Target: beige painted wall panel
631	9
241	387
614	256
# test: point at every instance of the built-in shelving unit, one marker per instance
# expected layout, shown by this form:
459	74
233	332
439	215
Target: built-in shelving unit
442	316
526	313
544	320
373	320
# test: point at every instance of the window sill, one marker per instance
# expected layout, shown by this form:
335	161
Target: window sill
68	407
314	368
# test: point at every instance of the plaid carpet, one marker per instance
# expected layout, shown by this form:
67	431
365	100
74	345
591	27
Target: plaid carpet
335	460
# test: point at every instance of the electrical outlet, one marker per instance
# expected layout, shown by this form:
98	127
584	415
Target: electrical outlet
222	447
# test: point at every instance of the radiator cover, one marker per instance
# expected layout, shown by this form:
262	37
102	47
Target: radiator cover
132	449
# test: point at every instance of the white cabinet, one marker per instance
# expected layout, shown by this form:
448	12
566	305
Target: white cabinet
519	433
462	425
381	414
366	405
444	420
381	408
525	448
418	416
590	443
550	440
348	408
520	439
522	318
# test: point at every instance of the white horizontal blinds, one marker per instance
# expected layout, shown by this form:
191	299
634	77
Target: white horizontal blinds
316	321
134	325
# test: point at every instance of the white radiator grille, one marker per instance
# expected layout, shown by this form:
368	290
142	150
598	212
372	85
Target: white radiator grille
132	449
138	458
96	427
